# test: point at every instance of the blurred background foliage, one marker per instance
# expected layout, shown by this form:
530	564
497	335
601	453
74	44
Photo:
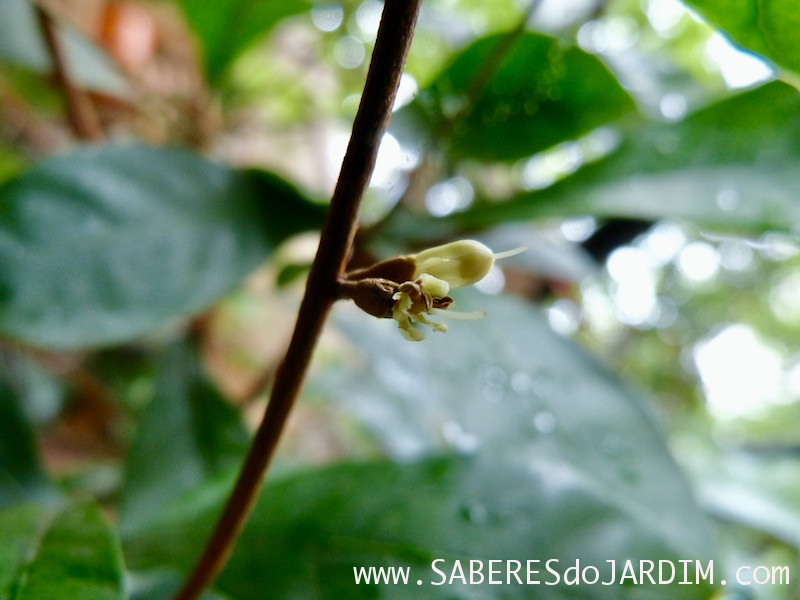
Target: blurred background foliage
632	394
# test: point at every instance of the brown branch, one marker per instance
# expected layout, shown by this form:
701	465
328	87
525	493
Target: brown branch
80	111
391	47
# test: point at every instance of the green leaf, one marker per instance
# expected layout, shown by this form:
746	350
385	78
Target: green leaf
227	27
323	524
540	92
161	584
565	463
734	164
508	386
290	273
767	27
759	492
21	476
447	509
68	553
107	244
22	43
12	161
187	435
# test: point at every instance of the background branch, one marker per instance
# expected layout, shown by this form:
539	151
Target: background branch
80	111
386	66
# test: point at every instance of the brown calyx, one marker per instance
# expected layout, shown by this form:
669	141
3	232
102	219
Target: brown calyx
398	270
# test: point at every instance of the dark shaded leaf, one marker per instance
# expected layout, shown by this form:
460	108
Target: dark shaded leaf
21	476
104	245
187	435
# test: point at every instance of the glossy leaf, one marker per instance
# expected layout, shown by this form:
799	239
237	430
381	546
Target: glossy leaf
66	553
104	245
508	386
227	27
323	524
537	93
22	43
734	164
767	27
187	435
564	463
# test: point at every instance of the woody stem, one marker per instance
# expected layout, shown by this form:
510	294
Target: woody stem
386	66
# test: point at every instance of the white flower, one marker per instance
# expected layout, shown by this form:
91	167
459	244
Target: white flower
383	291
437	271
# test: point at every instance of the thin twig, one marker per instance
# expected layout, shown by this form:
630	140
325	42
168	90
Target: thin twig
391	47
80	111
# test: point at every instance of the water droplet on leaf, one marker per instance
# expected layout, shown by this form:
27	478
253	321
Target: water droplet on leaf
493	387
545	422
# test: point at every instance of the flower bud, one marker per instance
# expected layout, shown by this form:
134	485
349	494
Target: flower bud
459	263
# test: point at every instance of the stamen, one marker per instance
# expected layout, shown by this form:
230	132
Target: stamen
460	315
508	253
420	318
